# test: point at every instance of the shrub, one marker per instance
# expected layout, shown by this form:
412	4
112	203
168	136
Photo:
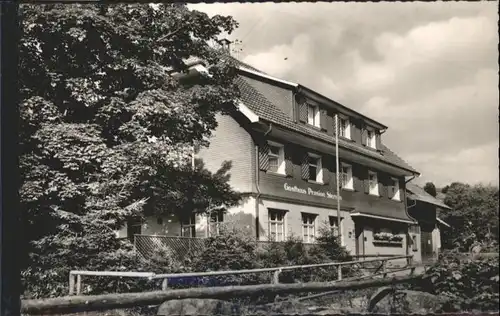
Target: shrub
471	284
230	250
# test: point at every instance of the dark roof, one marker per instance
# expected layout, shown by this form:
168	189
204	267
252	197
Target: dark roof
254	96
417	193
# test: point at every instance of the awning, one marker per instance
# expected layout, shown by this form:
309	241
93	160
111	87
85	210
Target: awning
443	222
392	219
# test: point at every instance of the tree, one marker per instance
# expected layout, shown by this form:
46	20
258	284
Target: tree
107	133
430	188
473	216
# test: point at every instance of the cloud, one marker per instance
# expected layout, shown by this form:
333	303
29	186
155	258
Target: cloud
280	59
470	165
455	46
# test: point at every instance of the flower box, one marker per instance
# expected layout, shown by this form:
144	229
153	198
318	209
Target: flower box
388	243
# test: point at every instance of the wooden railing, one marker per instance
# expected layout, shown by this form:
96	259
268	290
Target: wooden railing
72	304
75	277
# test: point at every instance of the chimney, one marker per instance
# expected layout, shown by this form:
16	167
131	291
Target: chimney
225	45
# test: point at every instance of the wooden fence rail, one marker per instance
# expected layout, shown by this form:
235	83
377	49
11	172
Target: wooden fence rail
75	277
72	304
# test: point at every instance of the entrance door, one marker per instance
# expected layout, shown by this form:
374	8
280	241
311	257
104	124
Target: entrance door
426	246
360	245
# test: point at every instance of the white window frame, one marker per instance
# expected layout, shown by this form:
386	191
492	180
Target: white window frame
371	141
280	156
346	130
275	224
319	167
333	222
189	224
396	194
309	228
313	119
350	181
216	218
373	190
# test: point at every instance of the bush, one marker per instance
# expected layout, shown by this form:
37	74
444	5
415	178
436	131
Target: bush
471	284
230	250
294	252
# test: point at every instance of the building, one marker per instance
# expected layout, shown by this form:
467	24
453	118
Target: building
281	142
426	236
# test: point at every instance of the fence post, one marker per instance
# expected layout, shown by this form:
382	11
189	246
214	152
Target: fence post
164	284
78	284
384	267
276	276
339	272
71	283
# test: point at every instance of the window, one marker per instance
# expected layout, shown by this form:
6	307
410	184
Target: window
345	127
313	115
395	190
277	225
371	139
216	220
315	168
276	158
346	180
373	183
188	226
134	227
308	227
334	225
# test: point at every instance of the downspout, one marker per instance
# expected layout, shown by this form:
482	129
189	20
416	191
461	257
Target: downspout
406	210
257	197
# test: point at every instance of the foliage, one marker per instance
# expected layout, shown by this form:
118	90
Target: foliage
229	250
105	129
473	216
430	188
471	284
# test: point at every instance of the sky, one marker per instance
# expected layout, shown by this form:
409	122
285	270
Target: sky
428	71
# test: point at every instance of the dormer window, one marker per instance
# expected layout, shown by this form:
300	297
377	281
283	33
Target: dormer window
315	168
313	115
373	183
344	127
371	139
276	158
396	195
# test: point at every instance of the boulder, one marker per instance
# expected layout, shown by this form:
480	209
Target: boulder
406	301
193	306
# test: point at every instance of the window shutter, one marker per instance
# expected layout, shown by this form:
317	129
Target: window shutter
364	136
352	126
323	119
288	161
390	188
303	112
357	178
329	124
333	181
378	141
305	167
263	155
326	172
366	181
382	189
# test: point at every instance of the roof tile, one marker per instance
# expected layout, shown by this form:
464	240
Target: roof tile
253	96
